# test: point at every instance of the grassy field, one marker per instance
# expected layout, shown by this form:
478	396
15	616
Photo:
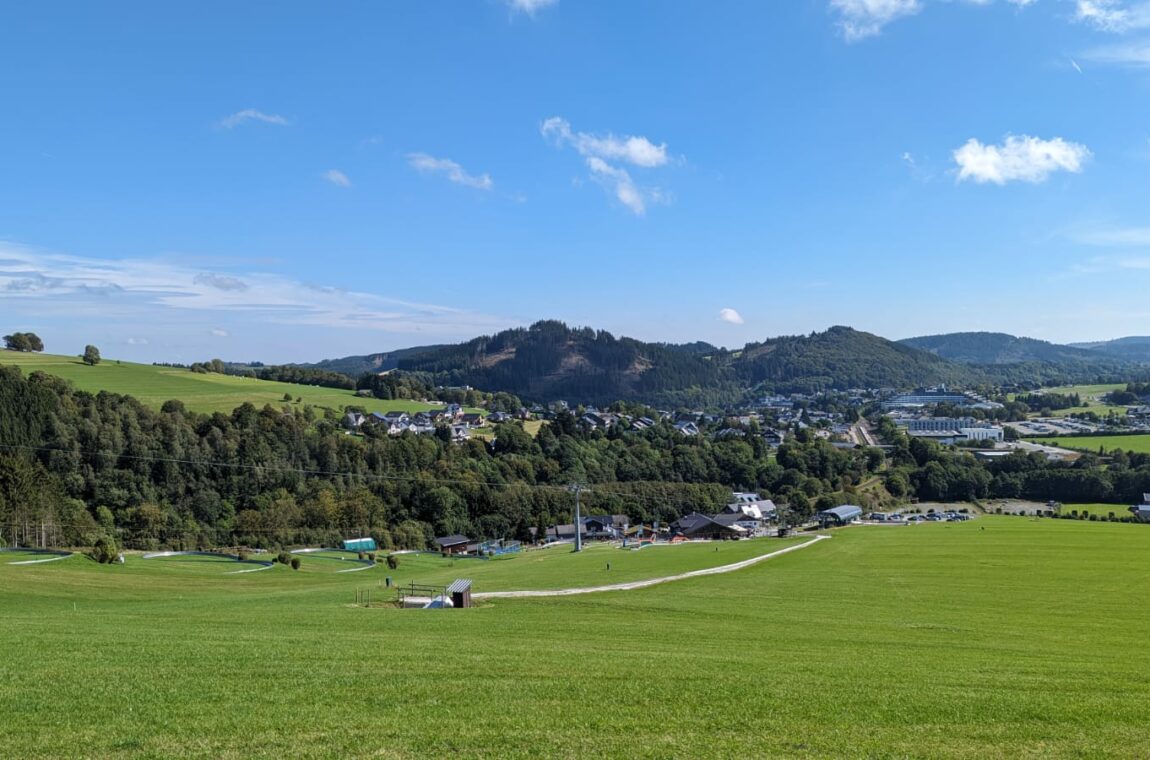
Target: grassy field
559	568
1136	443
1002	637
199	392
1091	395
1102	510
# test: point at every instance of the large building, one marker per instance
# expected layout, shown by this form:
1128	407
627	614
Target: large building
950	429
923	397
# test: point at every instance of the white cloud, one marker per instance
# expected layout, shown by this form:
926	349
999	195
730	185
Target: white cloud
630	149
860	19
599	151
730	315
530	7
137	341
1114	16
1075	65
1135	54
453	171
170	296
336	177
620	181
1019	158
251	114
219	333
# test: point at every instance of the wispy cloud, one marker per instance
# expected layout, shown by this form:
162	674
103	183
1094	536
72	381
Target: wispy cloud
1018	158
1112	237
218	332
630	149
1115	16
336	177
1135	53
251	114
426	164
602	153
731	316
859	19
161	294
530	7
220	282
1108	265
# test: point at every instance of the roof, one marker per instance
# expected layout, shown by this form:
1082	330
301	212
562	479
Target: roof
845	512
728	519
458	538
695	522
459	585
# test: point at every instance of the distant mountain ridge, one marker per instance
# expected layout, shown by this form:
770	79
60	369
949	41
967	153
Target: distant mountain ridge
996	348
1134	348
354	366
549	361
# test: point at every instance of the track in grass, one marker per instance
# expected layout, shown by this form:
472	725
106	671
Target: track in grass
1004	637
337	555
36	556
191	556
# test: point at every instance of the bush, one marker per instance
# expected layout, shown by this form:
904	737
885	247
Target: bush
392	562
284	558
243	555
105	551
295	563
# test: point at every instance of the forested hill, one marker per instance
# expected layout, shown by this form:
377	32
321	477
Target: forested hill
843	357
550	360
1004	359
354	366
998	348
1134	348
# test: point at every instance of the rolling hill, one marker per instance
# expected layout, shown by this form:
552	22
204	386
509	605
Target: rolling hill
1134	348
211	392
550	360
981	348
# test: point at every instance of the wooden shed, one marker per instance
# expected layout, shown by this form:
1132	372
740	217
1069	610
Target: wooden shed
460	593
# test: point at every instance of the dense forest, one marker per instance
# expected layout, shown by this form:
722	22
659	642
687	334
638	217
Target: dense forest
77	466
550	361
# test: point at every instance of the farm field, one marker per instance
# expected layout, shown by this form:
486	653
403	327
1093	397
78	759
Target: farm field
558	567
1102	510
200	392
1002	637
1091	395
1139	443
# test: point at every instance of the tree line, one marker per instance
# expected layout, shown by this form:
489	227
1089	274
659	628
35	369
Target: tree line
75	466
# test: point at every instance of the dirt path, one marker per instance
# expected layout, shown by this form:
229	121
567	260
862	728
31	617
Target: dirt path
650	581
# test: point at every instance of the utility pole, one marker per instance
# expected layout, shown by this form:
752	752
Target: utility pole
578	488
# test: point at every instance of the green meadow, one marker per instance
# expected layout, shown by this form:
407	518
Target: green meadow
1139	444
200	392
1001	637
1091	395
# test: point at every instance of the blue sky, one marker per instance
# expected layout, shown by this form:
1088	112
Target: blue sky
290	182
